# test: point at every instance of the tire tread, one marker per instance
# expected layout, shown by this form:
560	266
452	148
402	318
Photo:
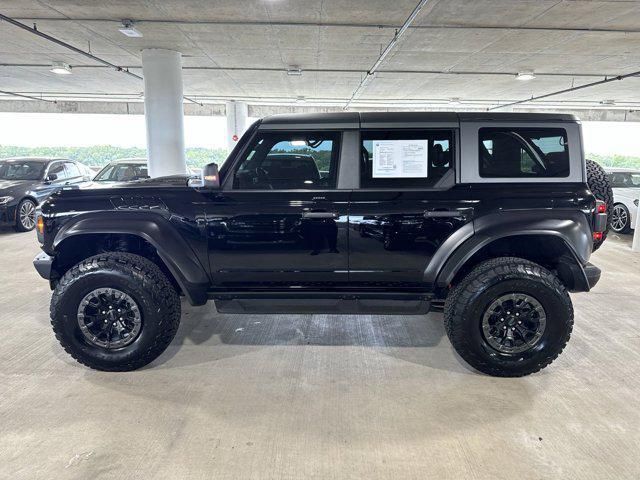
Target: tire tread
462	294
153	279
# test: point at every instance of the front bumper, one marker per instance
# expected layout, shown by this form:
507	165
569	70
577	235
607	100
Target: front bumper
7	215
593	274
43	263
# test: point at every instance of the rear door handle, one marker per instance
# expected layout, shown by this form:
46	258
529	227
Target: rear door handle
462	212
320	215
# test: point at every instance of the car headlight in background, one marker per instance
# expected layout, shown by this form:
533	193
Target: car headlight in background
5	200
635	202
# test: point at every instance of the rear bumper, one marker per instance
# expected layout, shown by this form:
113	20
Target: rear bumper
592	273
43	263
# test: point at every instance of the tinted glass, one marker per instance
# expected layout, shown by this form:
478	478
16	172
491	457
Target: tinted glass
72	169
284	161
523	152
57	169
624	179
405	158
21	170
122	172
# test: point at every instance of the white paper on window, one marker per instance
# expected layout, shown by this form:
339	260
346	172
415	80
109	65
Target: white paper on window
400	159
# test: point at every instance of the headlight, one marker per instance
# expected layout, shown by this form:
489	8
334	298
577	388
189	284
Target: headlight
635	202
4	200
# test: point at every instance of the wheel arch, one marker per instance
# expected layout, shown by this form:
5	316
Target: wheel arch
560	245
148	235
28	196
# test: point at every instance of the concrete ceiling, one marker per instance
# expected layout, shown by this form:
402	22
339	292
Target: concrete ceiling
241	49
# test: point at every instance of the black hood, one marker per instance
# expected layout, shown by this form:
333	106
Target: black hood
171	181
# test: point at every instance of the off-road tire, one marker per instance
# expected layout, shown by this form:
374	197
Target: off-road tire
601	188
139	278
468	300
19	226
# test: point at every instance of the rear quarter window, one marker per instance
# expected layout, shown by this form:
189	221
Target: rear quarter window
523	153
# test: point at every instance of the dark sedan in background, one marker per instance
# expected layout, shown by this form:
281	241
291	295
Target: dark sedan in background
26	182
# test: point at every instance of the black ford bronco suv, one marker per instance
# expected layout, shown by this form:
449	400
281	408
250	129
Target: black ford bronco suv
486	216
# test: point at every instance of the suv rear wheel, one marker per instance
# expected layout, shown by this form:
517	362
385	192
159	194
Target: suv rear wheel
509	317
115	311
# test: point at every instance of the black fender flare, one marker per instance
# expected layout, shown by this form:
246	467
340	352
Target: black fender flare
570	226
172	248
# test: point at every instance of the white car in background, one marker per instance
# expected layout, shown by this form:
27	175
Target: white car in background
626	190
126	170
123	170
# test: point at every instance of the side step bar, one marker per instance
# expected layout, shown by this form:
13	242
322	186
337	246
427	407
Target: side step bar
382	303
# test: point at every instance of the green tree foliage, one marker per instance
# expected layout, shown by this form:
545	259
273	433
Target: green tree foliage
100	155
620	161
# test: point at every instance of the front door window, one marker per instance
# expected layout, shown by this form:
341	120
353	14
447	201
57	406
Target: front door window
300	161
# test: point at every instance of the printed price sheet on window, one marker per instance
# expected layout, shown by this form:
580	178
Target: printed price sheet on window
400	159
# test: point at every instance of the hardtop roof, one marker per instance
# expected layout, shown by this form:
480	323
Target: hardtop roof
369	119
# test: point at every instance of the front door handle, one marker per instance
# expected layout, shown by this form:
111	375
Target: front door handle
462	212
320	215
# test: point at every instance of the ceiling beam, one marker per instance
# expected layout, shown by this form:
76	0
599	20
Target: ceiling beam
331	24
330	70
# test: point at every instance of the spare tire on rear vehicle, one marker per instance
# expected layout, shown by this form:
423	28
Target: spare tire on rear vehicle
601	188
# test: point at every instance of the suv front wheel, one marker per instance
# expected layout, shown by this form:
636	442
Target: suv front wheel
509	317
115	311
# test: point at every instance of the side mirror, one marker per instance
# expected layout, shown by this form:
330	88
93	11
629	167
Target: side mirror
210	176
52	177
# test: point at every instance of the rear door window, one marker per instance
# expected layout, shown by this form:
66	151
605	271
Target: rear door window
523	152
405	158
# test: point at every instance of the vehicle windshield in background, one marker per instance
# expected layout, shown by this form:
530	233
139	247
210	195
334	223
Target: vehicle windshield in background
21	170
625	179
122	172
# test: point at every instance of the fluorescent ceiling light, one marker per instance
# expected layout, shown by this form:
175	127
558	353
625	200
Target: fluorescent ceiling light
60	68
299	143
454	101
525	75
129	30
301	99
607	102
294	70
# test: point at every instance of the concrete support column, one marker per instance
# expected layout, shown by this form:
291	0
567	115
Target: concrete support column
237	113
163	110
636	233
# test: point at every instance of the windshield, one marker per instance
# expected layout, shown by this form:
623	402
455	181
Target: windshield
625	179
122	172
21	170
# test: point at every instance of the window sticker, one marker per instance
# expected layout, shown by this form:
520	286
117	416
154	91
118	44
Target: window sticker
400	159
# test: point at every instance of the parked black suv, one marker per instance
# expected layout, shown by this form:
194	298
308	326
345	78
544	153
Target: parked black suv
27	181
488	216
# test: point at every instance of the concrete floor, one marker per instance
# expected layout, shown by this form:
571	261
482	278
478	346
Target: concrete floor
319	396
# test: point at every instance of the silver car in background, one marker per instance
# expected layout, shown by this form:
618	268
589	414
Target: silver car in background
625	183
